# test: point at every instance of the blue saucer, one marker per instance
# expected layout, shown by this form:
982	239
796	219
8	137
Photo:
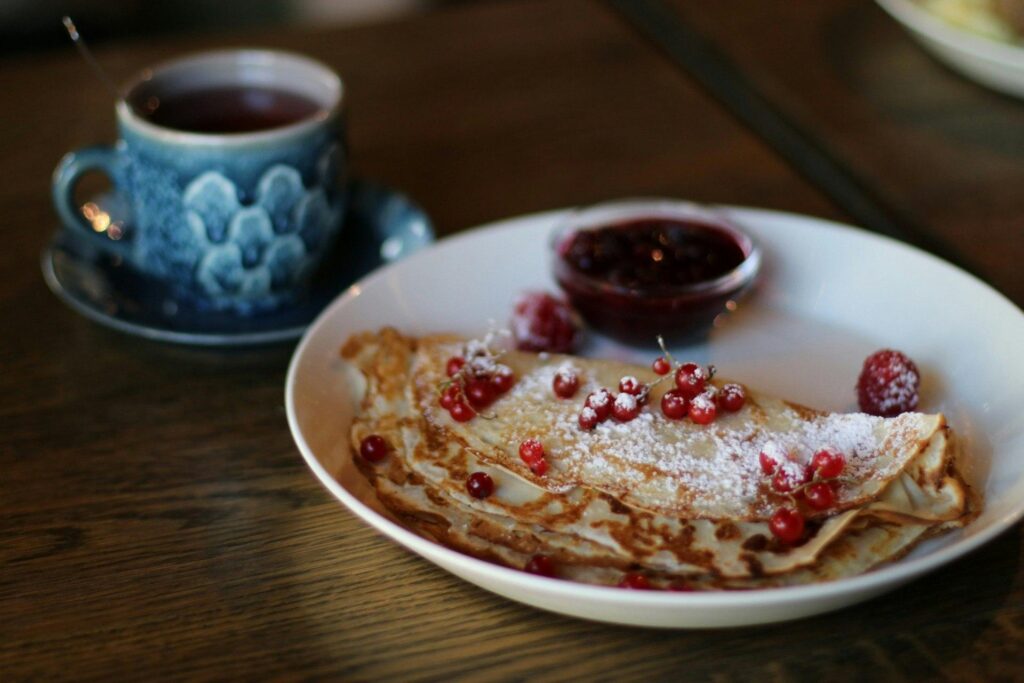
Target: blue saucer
381	226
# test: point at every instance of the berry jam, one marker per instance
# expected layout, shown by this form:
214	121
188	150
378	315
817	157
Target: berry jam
639	276
654	255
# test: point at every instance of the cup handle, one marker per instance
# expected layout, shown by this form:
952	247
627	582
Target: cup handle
102	158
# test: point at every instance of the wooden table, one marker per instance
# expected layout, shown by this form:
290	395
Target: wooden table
156	520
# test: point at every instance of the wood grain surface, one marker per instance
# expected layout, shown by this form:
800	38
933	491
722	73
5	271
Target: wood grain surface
156	520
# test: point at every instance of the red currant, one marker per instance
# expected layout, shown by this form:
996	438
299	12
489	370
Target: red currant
600	402
732	397
820	496
461	412
625	407
674	405
449	396
454	365
540	322
531	451
888	384
661	366
565	384
539	467
502	380
828	464
480	485
588	418
787	479
635	581
631	385
768	463
541	565
690	379
479	392
787	525
373	448
702	409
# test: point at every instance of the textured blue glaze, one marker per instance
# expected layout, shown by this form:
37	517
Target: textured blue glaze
381	226
233	227
219	222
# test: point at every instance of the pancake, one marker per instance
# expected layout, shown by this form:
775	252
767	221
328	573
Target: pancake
678	501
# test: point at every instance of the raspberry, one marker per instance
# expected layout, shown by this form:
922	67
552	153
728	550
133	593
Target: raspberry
540	322
888	384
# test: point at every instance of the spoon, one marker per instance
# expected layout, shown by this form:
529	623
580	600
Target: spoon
86	53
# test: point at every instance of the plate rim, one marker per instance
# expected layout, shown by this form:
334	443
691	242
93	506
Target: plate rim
866	585
921	21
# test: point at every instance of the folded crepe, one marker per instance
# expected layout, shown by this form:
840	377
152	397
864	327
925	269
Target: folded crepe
684	504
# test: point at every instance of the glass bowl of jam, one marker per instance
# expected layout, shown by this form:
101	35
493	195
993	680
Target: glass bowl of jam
636	269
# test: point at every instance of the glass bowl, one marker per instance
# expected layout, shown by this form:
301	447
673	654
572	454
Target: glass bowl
636	269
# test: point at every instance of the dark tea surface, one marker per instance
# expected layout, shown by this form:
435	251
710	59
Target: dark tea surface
232	109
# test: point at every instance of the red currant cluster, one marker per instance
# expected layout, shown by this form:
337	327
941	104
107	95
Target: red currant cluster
532	453
813	485
694	396
602	404
474	385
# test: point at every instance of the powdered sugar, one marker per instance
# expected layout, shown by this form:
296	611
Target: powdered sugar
709	470
567	371
625	401
774	452
704	400
481	357
600	398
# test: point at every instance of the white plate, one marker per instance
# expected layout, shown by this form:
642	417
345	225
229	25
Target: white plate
992	63
829	295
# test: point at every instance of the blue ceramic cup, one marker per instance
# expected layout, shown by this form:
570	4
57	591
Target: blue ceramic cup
232	164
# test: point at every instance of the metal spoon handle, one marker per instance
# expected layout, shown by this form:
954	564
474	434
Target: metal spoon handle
86	53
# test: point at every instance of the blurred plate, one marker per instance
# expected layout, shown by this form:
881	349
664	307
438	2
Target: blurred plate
829	295
987	61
